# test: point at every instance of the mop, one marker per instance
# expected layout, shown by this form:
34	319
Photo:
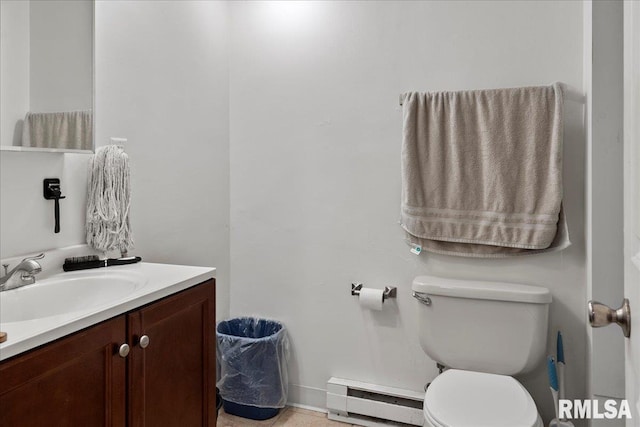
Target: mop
108	200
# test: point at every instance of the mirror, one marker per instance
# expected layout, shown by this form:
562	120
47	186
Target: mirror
46	75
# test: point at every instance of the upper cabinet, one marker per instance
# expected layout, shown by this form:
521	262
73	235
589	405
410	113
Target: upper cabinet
46	75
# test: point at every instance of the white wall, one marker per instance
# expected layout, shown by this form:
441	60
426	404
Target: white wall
315	173
162	82
168	93
14	69
61	51
26	218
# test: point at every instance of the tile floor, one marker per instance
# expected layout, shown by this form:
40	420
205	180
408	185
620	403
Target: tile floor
289	416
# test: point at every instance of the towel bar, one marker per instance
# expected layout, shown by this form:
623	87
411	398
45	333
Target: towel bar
569	93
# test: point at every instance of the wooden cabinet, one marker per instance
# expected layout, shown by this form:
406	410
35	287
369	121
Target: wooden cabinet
75	381
172	379
81	380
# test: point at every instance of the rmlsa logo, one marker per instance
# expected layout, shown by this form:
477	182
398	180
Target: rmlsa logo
589	409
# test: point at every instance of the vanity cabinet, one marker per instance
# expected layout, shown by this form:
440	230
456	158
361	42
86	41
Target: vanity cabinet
75	381
172	374
166	379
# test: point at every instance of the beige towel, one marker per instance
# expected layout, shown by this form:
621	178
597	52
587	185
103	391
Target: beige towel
482	171
70	130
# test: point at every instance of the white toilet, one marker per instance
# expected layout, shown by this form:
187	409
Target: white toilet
484	332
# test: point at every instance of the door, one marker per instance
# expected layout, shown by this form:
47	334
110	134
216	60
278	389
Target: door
172	361
632	202
75	381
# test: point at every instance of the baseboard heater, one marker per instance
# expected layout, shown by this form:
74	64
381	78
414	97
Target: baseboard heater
373	405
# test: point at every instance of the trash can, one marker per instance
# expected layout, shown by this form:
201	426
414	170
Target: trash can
253	355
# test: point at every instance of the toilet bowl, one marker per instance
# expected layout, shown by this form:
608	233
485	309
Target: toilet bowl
484	332
474	399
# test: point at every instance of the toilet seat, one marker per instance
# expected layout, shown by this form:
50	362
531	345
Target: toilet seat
459	398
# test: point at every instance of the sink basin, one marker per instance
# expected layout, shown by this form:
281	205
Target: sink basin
67	293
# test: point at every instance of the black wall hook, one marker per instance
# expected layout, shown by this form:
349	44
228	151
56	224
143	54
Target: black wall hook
52	191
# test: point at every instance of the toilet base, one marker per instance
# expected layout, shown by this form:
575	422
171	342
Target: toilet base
429	422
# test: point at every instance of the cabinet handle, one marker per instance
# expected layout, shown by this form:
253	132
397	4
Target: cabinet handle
144	341
123	351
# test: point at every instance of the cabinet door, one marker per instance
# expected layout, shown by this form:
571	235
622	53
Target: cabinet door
172	379
75	381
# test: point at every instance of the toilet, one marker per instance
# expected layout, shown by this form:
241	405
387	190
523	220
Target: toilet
483	333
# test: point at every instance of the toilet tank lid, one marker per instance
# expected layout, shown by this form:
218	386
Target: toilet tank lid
477	289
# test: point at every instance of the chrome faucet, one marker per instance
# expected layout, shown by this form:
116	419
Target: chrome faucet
23	274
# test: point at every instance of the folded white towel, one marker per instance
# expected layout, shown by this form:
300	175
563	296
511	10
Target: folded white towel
482	171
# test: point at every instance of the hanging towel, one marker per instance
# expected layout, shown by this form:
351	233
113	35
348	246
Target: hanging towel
71	130
482	171
108	200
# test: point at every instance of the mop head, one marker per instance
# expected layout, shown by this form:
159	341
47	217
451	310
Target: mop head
108	200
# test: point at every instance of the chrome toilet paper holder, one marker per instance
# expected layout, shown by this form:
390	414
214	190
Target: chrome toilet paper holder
389	291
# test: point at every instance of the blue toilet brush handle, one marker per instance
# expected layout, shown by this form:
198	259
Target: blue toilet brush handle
553	381
561	365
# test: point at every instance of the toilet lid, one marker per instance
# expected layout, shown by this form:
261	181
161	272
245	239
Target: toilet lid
459	398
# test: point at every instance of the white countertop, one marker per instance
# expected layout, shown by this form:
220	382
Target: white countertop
162	280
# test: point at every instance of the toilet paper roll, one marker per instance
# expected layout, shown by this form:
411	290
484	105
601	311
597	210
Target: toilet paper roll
371	298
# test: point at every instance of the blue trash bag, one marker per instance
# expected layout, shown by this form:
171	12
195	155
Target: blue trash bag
253	355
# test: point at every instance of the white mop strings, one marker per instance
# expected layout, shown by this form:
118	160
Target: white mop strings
108	200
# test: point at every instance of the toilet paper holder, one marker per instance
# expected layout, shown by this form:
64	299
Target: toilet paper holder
389	291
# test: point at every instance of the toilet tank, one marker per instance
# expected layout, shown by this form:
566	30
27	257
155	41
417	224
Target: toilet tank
492	327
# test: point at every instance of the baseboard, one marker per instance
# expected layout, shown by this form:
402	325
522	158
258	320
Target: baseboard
307	407
311	398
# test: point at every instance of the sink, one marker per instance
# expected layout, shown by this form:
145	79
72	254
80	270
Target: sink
67	293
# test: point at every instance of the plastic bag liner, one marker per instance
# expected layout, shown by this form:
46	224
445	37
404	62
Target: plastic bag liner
253	355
